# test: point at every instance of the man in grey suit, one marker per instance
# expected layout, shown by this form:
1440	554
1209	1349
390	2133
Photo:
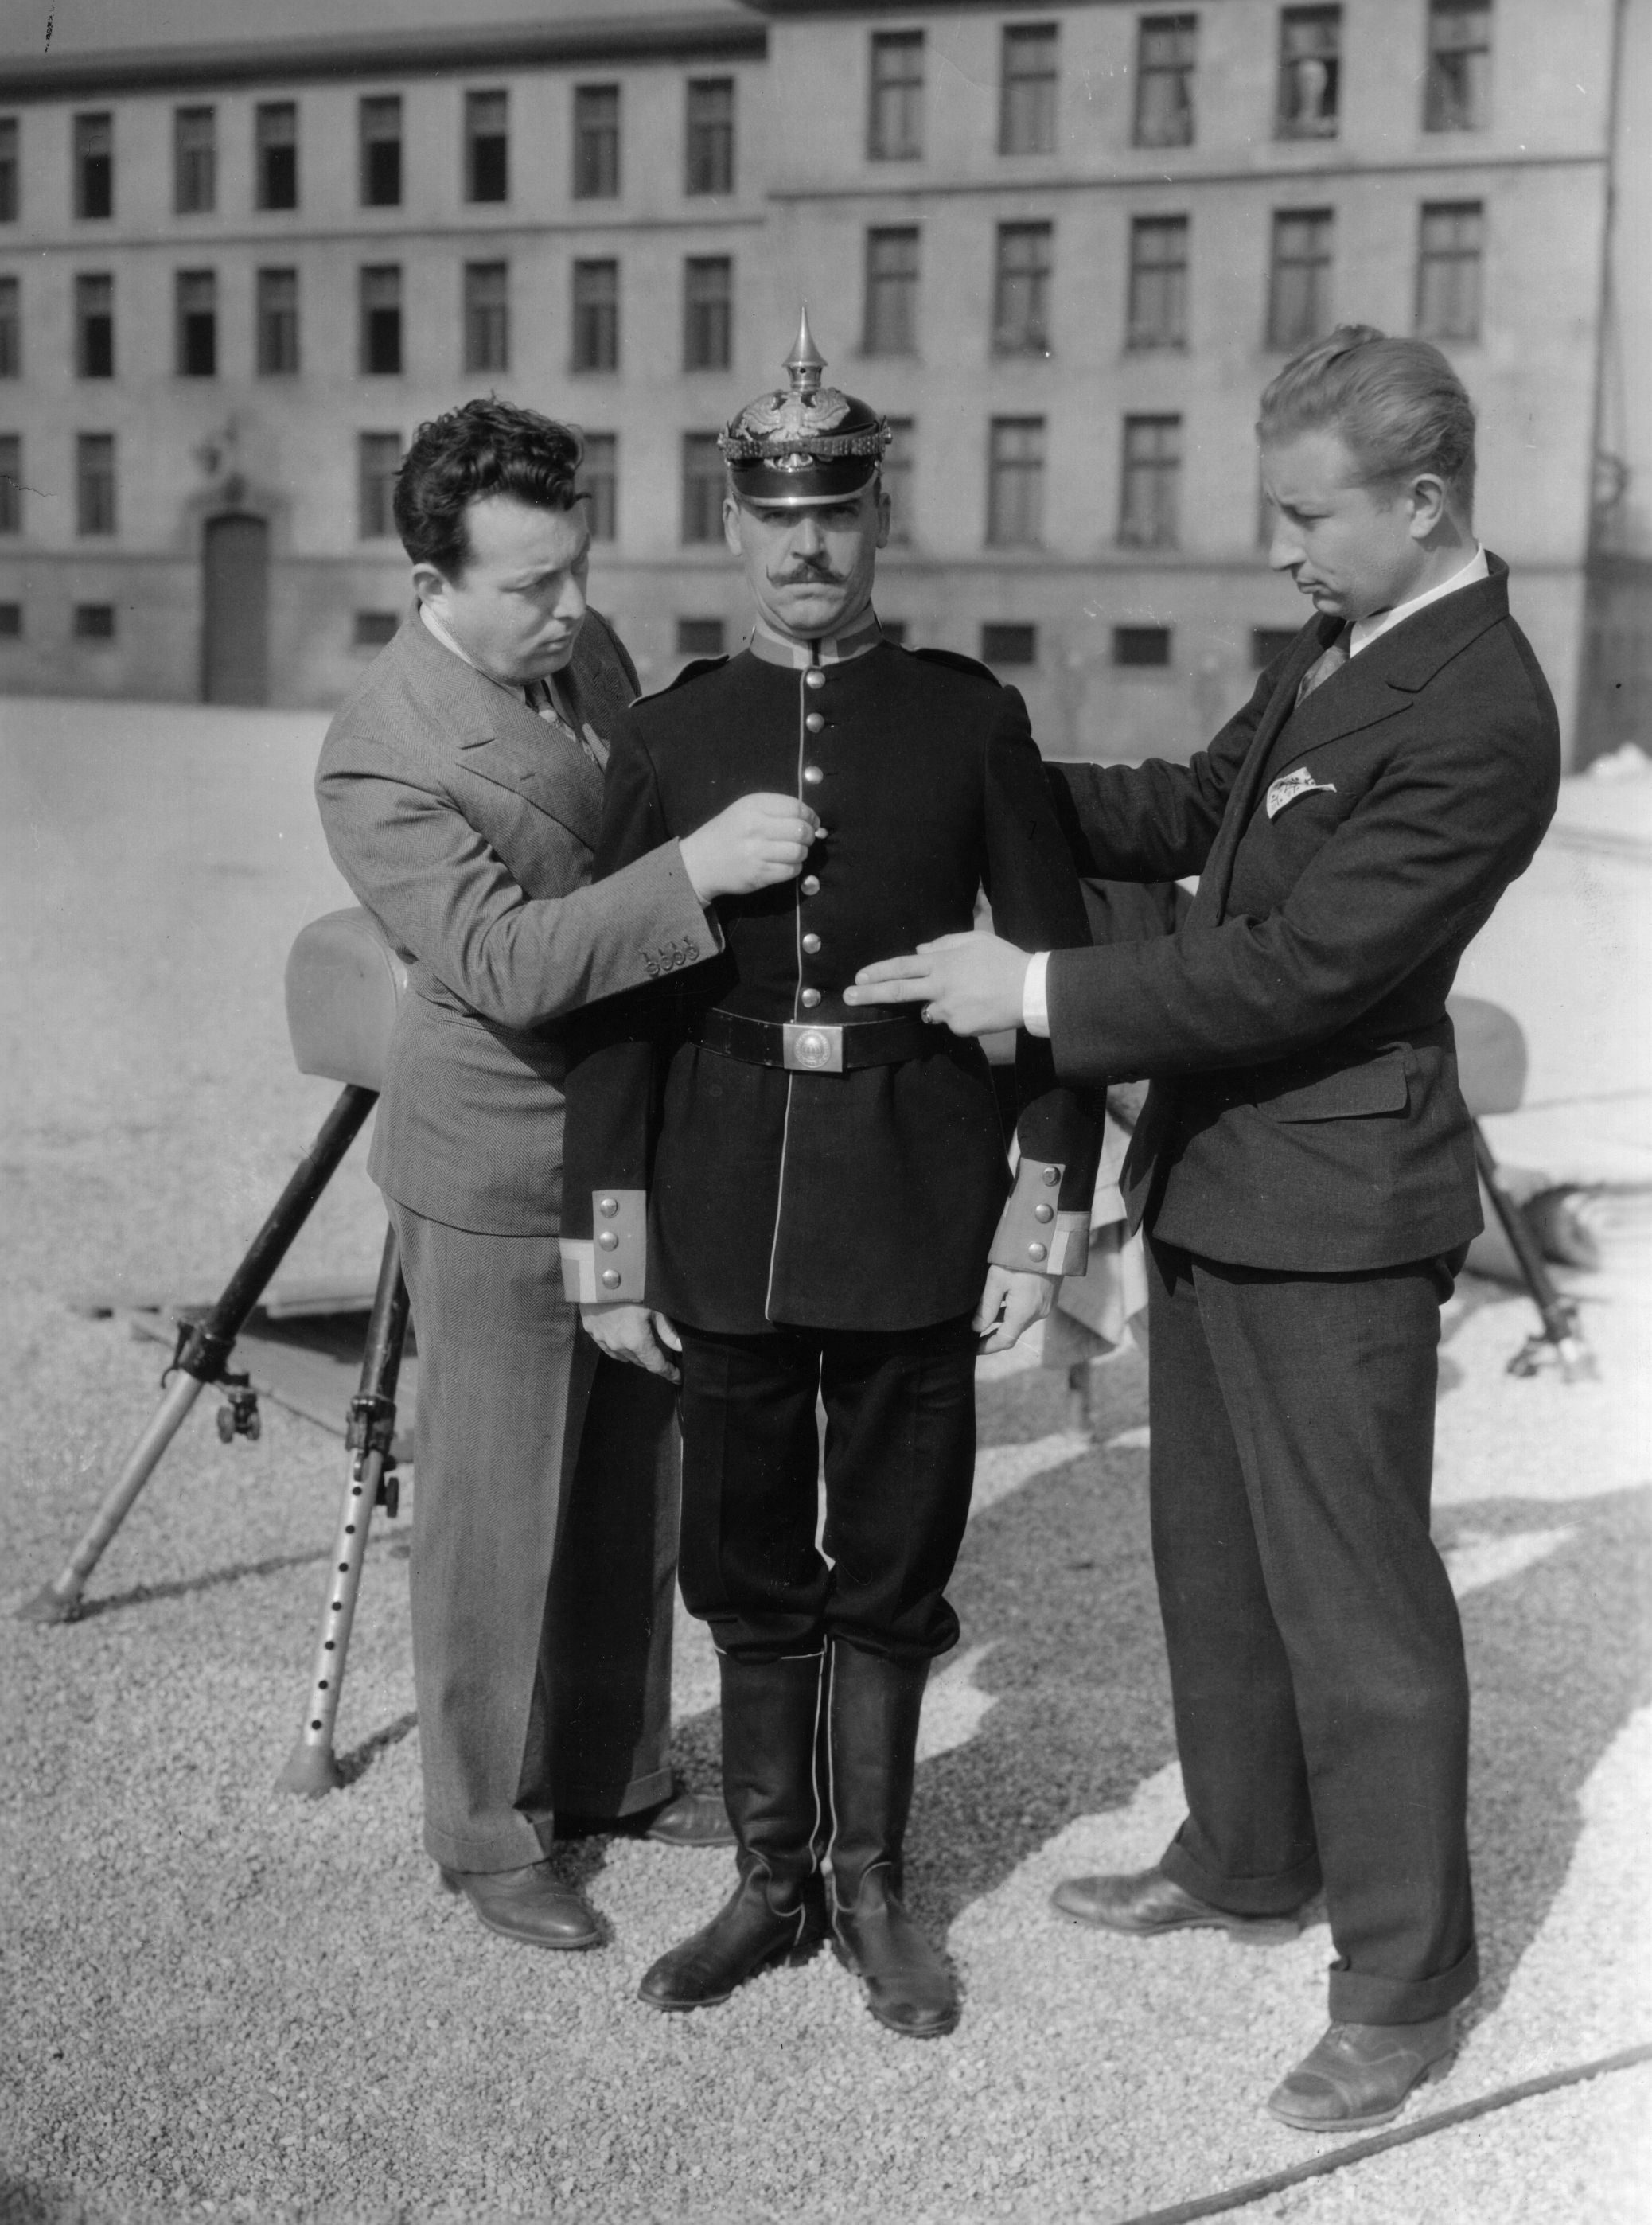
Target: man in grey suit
460	787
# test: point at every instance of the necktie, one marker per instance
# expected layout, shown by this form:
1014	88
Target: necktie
1330	659
540	701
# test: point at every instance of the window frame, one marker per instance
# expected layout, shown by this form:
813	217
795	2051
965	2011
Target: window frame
1435	115
12	483
594	330
11	143
883	288
596	142
708	317
907	104
94	350
1030	333
1279	336
373	337
599	482
1181	68
371	138
708	140
276	321
1042	113
11	325
376	485
195	324
484	326
487	146
1290	121
1157	523
1456	258
702	490
94	190
275	193
1167	327
195	168
97	492
1017	523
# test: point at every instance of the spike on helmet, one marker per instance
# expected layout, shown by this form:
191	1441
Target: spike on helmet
805	444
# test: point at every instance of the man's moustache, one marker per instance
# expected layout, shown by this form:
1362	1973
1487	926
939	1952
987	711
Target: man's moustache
813	577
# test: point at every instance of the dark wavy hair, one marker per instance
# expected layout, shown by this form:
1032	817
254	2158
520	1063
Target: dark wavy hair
1397	404
483	448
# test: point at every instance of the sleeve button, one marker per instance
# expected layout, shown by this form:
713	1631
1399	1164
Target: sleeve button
1050	1176
611	1278
1034	1252
1043	1213
811	943
814	722
608	1207
608	1241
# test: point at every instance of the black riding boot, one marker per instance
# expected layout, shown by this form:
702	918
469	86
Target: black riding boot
769	1712
873	1709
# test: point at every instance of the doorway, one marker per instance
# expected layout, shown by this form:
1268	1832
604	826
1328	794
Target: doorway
234	610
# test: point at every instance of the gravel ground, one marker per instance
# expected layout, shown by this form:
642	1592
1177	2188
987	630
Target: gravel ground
225	2002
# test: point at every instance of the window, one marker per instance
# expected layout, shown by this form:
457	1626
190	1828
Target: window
94	165
1457	91
709	167
1449	247
195	161
891	326
1015	516
197	299
8	196
895	124
381	319
275	132
277	317
1298	289
1021	310
1310	71
94	327
381	151
596	142
1269	642
896	474
487	316
1141	649
707	311
1157	313
1149	505
596	316
1008	644
1027	96
487	147
11	328
702	488
94	622
12	483
1165	49
94	483
378	459
11	619
373	629
598	481
699	636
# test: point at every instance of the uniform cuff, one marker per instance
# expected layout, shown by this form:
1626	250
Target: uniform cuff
611	1267
1035	1237
1035	1000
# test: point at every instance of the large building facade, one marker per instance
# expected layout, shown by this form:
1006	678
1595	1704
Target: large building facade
1062	247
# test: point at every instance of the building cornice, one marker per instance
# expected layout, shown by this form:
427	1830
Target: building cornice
591	41
1162	180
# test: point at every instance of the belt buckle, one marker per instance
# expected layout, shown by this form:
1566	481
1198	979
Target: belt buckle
808	1047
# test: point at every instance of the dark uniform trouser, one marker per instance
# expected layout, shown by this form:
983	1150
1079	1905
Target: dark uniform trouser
1316	1655
544	1541
900	1460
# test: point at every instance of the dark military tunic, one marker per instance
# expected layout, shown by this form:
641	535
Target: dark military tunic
860	1199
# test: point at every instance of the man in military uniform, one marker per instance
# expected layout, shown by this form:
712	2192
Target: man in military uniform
800	1204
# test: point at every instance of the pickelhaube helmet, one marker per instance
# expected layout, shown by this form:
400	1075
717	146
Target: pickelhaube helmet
804	444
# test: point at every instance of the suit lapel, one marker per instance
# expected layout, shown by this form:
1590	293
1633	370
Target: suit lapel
497	735
1213	882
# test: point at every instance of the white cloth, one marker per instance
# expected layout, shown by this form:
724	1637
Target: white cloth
1366	631
1035	1000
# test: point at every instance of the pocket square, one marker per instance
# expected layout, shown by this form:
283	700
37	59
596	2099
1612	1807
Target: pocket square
1290	785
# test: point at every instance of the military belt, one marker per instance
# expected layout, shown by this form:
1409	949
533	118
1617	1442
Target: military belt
816	1046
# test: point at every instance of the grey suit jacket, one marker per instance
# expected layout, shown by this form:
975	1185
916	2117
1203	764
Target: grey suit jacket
465	825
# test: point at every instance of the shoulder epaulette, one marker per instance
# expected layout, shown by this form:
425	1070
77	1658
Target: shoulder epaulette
697	670
951	656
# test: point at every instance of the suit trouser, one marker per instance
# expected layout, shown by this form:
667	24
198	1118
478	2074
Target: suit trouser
544	1549
900	1461
1316	1656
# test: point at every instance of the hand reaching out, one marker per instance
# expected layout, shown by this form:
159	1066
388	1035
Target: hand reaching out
972	983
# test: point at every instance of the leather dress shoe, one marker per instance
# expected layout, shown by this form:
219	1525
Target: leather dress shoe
1146	1902
692	1819
1360	2073
529	1905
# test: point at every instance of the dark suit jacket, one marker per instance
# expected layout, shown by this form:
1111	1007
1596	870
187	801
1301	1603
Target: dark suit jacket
1306	1114
866	1200
465	824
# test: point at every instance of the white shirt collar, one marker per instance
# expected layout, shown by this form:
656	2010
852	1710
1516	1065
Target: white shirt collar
434	625
1366	631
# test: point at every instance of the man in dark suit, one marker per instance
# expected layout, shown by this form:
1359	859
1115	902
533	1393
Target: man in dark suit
460	787
1305	1170
806	1206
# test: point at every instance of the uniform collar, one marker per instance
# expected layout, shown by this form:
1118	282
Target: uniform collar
830	648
